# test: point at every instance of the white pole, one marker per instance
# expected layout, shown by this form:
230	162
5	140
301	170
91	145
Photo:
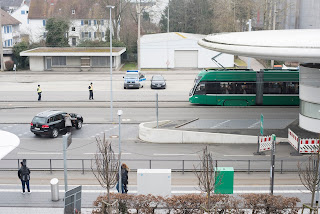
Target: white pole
249	59
119	182
139	60
1	45
111	98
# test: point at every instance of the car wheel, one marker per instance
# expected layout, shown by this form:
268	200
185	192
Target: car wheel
79	125
124	87
54	133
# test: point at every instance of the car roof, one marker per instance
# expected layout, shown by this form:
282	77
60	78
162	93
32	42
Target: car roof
157	75
49	113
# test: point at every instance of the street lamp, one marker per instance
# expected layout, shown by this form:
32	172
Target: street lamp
119	182
110	27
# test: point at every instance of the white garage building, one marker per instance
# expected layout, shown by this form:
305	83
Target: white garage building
179	50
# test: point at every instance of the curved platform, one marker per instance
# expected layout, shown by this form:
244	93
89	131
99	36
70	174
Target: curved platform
286	45
8	143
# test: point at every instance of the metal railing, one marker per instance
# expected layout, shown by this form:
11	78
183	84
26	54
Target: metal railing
175	165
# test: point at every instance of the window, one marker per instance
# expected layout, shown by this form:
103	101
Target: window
73	29
94	22
44	22
89	34
82	22
201	89
73	11
58	117
23	12
102	22
86	22
27	11
99	61
59	60
274	88
85	35
85	62
98	34
89	22
5	29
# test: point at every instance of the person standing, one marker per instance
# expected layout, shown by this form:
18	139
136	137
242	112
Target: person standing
90	91
24	176
124	176
68	122
39	93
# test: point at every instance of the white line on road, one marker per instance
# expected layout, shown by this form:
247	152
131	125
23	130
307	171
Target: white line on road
240	155
157	154
100	153
39	153
253	125
219	124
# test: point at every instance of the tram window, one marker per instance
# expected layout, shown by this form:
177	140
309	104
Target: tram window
201	89
274	88
292	88
237	88
213	88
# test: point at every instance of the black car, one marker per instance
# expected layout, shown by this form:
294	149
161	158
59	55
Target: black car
51	123
157	81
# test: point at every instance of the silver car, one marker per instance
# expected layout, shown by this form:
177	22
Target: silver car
158	81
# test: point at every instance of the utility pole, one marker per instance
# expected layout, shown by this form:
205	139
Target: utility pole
1	45
138	49
274	24
111	97
273	157
168	27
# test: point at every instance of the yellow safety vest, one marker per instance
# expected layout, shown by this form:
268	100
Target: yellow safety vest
90	87
39	90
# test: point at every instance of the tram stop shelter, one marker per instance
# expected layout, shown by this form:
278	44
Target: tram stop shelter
73	58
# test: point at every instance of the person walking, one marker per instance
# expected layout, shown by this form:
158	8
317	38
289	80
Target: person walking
24	176
90	91
68	122
39	93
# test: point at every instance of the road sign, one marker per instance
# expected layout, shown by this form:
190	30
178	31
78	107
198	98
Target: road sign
261	124
72	201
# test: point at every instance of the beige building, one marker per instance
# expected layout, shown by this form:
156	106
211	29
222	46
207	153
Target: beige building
73	59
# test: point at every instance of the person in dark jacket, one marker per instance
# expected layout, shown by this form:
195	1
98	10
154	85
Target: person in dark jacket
124	176
24	176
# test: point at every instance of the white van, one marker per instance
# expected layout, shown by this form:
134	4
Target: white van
134	79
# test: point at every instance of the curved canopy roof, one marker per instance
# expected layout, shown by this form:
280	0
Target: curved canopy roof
8	142
287	45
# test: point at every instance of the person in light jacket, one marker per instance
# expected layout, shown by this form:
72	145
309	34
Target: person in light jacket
68	122
24	176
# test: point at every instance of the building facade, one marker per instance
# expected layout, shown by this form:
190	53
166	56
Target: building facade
10	30
86	21
179	50
73	59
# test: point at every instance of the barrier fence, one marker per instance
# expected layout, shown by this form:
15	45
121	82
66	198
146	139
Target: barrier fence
134	164
303	145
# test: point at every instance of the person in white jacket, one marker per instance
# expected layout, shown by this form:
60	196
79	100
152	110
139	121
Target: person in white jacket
68	122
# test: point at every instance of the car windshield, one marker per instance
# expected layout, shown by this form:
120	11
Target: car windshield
131	75
41	120
157	78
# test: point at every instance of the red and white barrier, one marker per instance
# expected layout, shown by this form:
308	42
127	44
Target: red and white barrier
293	139
303	145
265	143
309	146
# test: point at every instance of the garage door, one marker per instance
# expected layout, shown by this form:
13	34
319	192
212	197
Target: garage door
185	59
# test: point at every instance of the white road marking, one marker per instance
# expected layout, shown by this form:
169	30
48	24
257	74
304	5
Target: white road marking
219	124
241	155
97	134
26	133
39	153
253	125
100	153
157	154
115	127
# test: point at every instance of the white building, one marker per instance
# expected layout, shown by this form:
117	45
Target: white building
73	58
86	21
179	50
21	14
10	30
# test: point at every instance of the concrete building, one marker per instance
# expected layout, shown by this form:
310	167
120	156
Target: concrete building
73	59
87	21
179	50
11	5
21	14
10	30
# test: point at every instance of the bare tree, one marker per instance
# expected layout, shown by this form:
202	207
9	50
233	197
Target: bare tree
206	175
107	166
309	174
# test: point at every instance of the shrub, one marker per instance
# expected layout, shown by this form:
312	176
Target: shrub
9	65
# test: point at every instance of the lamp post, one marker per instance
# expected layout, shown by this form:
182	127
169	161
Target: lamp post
119	182
110	27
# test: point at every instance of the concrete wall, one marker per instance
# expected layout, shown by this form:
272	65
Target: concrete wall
36	63
161	54
148	133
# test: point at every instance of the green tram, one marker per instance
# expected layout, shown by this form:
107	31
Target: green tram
243	87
